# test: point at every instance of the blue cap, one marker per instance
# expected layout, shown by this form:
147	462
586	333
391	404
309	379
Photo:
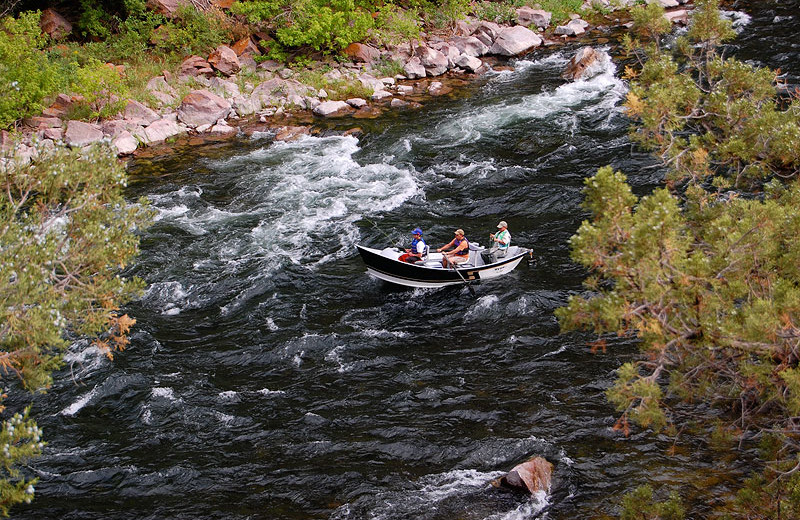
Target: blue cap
416	231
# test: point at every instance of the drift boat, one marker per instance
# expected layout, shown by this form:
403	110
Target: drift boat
384	265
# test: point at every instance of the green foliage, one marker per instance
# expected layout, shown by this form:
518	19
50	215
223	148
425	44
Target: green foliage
498	12
640	505
706	277
65	231
560	9
26	76
94	21
191	32
20	439
101	86
260	10
394	25
323	25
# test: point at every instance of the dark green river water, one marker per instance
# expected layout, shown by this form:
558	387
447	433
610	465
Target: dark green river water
270	378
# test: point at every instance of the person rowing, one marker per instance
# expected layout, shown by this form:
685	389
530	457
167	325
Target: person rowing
460	252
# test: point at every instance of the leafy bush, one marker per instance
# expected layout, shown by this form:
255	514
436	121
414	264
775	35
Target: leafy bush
394	25
192	32
26	76
101	86
325	26
499	12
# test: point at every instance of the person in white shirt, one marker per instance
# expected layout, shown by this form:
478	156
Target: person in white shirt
500	242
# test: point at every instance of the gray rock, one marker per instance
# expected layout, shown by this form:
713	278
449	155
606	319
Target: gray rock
202	107
139	114
469	63
124	143
470	45
527	16
81	134
224	59
333	109
162	130
515	40
356	102
414	69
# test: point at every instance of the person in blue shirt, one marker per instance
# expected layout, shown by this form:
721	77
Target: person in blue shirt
417	250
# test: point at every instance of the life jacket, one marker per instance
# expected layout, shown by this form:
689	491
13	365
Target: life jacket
465	251
415	242
500	235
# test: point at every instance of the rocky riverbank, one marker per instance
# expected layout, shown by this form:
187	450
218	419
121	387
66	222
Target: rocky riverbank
228	92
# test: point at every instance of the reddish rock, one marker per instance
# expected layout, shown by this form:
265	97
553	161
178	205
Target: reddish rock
361	53
583	65
245	46
201	107
532	476
224	59
196	66
54	25
223	4
61	106
43	122
167	8
139	114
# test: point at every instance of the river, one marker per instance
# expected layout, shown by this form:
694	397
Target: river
269	377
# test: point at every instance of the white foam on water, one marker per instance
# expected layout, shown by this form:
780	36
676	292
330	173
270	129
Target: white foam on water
484	307
433	491
163	393
602	92
526	510
229	395
375	333
82	401
267	392
739	19
170	297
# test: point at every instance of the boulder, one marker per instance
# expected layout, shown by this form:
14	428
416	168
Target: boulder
469	63
666	4
162	130
167	8
380	95
114	127
43	122
125	143
414	69
574	27
245	46
54	134
224	87
195	66
434	61
222	129
81	134
224	59
586	64
333	109
680	16
139	114
515	40
487	32
201	107
356	102
527	16
369	81
276	92
361	53
61	106
470	45
54	25
533	475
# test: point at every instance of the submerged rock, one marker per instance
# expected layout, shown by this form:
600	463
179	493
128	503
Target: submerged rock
532	475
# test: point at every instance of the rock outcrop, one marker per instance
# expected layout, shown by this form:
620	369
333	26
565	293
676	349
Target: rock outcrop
533	475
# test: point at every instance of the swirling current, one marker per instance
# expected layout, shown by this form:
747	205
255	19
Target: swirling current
269	377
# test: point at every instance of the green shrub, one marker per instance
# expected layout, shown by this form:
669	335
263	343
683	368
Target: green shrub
499	12
26	76
394	25
191	32
101	86
325	26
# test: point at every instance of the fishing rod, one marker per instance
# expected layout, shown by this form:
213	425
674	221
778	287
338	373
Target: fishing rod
390	239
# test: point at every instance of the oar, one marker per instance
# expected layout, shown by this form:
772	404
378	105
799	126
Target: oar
453	267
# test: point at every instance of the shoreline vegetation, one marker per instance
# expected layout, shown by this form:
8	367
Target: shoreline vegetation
206	70
703	271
